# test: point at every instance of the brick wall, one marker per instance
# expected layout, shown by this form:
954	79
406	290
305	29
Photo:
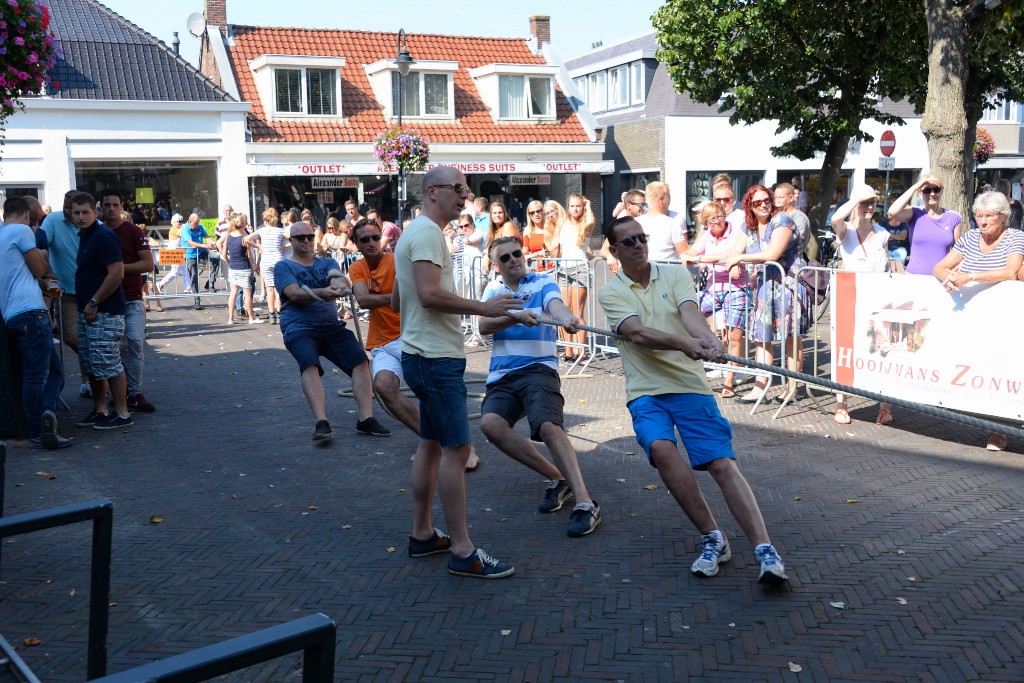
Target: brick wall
636	145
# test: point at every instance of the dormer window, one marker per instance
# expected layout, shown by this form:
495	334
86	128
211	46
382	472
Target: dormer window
517	92
320	87
428	91
525	97
299	86
423	94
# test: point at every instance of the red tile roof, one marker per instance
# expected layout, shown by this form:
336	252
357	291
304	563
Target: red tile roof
363	117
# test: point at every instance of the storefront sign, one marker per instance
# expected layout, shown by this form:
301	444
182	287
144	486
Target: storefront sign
327	197
529	180
904	336
467	167
334	183
143	195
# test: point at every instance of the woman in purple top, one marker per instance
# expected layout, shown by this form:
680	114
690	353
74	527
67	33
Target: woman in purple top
932	230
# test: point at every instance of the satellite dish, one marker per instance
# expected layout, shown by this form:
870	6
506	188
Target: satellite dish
196	24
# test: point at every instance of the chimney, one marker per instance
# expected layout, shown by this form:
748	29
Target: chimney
540	29
216	13
176	44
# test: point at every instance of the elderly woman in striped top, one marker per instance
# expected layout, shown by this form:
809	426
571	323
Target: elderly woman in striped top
988	253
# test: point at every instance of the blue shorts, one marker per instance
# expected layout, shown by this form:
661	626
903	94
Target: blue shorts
332	340
706	434
440	385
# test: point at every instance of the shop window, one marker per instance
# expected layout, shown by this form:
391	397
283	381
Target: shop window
524	97
426	95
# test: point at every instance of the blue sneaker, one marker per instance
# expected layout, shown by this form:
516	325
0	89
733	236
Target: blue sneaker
479	565
439	542
714	550
557	493
93	418
115	421
773	572
584	519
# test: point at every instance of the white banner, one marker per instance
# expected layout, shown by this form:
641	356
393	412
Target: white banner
467	167
904	336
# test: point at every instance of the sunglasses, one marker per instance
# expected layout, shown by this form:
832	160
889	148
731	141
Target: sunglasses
724	199
505	258
761	202
465	225
458	188
536	211
931	189
366	238
632	240
303	238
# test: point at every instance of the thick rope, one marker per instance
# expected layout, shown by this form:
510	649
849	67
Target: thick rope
968	420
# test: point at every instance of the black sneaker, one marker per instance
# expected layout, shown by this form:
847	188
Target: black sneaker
480	565
554	498
93	418
61	442
115	421
584	519
439	542
370	427
322	431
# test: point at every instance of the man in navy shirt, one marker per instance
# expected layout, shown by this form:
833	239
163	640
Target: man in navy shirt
101	308
309	287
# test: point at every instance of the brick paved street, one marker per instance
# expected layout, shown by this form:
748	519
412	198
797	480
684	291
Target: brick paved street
902	543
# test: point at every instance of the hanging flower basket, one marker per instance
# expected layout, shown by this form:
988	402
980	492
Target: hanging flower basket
984	146
27	52
402	148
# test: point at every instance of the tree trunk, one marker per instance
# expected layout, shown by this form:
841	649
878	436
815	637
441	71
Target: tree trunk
945	121
830	168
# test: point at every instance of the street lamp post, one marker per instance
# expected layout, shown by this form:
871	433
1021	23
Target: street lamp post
403	61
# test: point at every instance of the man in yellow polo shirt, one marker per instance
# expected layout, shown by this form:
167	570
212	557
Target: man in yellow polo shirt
666	339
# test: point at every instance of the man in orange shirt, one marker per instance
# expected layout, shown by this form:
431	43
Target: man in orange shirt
373	280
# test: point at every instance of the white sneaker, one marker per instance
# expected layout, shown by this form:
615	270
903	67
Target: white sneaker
714	550
773	572
715	374
257	321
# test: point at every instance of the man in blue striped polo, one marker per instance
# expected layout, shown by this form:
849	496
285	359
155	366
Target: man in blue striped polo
523	381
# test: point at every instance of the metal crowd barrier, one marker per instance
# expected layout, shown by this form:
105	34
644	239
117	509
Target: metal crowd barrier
174	279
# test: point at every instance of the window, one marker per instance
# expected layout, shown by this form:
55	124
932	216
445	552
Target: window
636	77
516	102
598	95
289	90
581	86
321	92
320	87
619	90
423	94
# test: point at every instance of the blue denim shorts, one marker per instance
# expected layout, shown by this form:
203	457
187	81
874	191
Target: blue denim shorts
99	345
331	340
440	385
706	434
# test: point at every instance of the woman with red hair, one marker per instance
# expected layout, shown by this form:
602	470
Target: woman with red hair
772	238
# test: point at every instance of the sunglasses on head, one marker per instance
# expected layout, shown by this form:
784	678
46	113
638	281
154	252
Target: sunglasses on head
931	189
505	258
632	240
304	238
366	238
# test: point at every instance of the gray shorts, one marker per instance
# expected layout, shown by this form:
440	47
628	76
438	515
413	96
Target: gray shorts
533	392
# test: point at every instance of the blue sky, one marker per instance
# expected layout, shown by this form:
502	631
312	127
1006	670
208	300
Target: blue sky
575	24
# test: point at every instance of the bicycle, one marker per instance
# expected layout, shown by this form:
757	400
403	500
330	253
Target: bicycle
828	254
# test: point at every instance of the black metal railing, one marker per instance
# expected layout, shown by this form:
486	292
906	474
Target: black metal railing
315	635
101	513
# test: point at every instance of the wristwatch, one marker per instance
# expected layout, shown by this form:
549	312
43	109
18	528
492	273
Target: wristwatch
92	302
970	276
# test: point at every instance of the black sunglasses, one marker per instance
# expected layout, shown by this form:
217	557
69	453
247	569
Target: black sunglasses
505	258
303	238
466	225
366	238
457	188
632	240
931	190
